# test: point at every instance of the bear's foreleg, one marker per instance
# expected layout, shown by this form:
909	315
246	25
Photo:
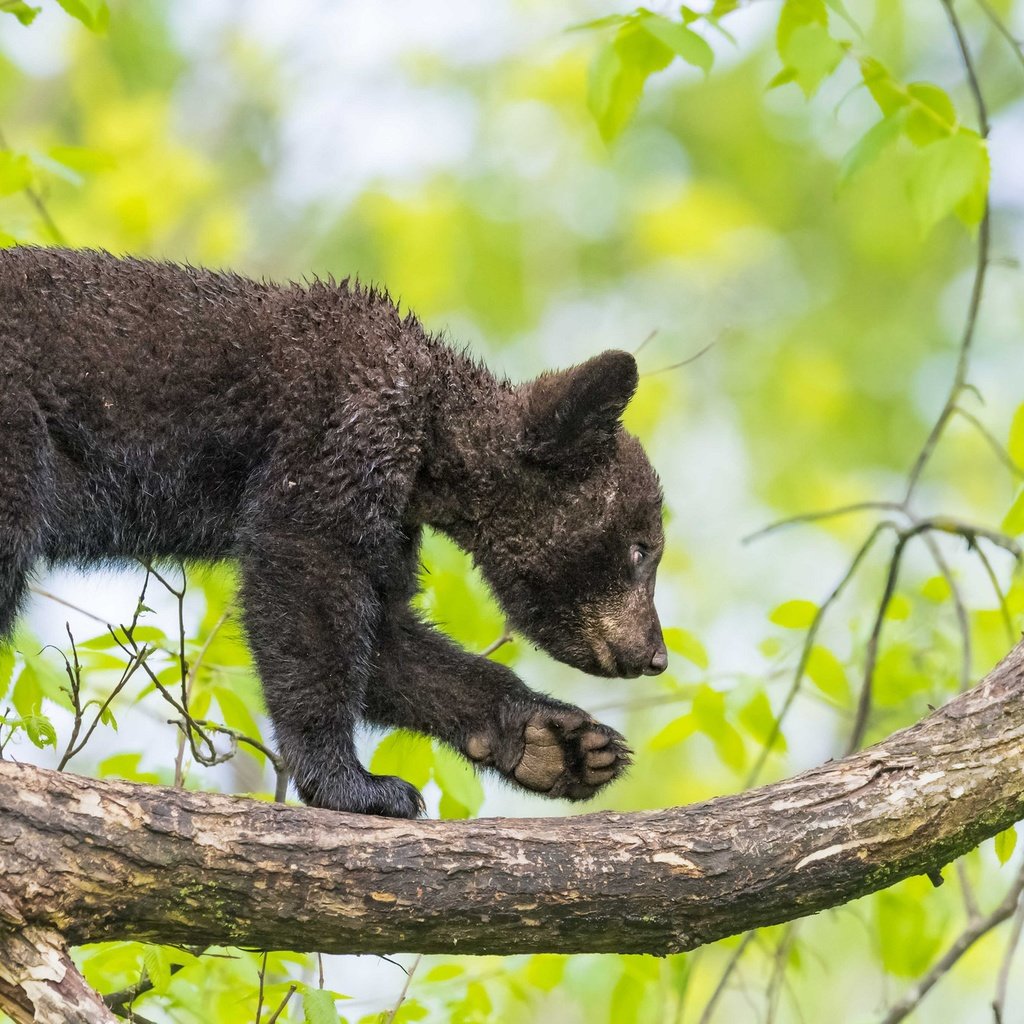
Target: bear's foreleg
421	680
310	615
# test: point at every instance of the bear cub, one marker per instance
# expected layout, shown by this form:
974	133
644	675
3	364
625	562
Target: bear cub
154	411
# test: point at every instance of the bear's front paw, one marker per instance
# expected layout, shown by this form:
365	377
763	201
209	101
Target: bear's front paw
561	752
363	793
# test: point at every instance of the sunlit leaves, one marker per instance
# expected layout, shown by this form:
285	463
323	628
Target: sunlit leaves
871	145
417	759
1013	522
946	166
909	927
1015	442
6	669
827	673
93	14
949	175
318	1006
683	642
461	792
643	43
796	614
757	717
808	52
24	12
1005	843
15	172
936	589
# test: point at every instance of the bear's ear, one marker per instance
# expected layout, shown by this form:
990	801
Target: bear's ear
571	416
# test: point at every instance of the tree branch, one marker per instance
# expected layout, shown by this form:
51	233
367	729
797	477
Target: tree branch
97	859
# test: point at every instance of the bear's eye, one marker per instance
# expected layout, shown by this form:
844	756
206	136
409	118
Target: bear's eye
637	555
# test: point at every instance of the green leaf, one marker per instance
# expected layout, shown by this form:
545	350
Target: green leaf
157	967
6	669
811	54
709	714
318	1006
828	675
946	174
406	754
15	172
40	730
936	588
931	114
141	635
875	141
28	692
1013	523
796	14
126	766
1006	843
898	609
757	717
618	75
22	11
682	41
461	792
1015	443
683	642
676	732
886	91
93	14
444	972
545	971
794	614
908	935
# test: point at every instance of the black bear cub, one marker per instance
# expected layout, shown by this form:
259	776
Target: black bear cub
154	411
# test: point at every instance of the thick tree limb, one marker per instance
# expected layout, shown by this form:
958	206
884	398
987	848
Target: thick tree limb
92	860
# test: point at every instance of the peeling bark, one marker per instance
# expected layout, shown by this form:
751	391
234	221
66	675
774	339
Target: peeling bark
40	984
83	860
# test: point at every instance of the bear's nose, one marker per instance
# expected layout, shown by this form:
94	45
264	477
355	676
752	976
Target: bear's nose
659	660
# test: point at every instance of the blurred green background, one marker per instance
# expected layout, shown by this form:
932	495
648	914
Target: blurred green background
451	152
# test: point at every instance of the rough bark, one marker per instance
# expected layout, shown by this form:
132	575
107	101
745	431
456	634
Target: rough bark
40	984
84	860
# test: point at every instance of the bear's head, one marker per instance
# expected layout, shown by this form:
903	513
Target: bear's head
572	544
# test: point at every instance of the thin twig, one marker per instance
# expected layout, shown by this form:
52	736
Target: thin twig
805	652
831	513
193	672
998	449
959	607
1004	607
682	362
779	971
405	989
259	1001
505	638
1003	981
284	1002
723	981
1001	28
978	285
867	686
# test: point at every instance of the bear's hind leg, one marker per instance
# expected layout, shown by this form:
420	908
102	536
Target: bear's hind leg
24	448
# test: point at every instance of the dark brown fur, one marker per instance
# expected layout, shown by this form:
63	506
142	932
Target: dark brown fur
155	411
